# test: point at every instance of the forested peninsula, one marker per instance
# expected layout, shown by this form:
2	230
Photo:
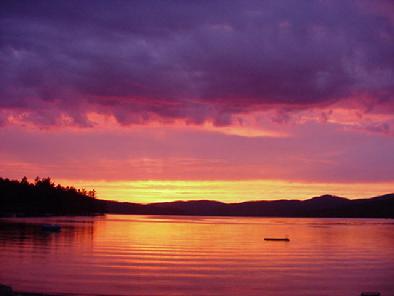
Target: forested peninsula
43	198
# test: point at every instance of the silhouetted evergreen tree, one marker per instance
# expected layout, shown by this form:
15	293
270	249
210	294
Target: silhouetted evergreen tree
42	197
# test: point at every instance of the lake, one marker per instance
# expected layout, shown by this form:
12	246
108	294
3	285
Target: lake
183	255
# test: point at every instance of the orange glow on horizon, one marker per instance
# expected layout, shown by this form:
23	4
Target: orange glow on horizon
147	191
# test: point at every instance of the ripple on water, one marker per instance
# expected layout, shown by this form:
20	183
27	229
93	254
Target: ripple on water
143	255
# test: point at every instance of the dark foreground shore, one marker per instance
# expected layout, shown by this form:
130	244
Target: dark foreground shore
8	291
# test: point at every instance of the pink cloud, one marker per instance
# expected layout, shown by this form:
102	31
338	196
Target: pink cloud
315	152
288	90
142	62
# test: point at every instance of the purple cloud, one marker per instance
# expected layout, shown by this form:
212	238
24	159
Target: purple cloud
191	61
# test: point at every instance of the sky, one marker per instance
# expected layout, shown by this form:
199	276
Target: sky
151	101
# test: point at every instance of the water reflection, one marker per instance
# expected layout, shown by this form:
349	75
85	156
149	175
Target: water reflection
28	232
164	255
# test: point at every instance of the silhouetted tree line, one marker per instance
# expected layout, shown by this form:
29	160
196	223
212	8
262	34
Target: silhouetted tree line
42	197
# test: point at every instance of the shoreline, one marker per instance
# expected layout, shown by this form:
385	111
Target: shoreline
199	215
8	291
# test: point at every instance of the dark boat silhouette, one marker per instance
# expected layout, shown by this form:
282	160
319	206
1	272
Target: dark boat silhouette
51	227
277	239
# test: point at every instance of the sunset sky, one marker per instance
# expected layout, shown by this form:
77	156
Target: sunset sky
174	100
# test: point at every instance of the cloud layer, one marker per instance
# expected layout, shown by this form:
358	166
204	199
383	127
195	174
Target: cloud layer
193	61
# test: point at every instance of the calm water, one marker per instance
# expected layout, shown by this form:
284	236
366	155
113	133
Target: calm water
174	255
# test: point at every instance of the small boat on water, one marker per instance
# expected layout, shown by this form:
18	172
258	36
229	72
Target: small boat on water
51	227
277	239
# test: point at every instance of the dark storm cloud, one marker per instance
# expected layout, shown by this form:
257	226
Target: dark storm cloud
191	60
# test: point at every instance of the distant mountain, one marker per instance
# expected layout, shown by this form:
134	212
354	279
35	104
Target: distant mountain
321	206
43	198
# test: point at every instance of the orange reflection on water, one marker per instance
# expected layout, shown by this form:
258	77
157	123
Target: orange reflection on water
181	255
